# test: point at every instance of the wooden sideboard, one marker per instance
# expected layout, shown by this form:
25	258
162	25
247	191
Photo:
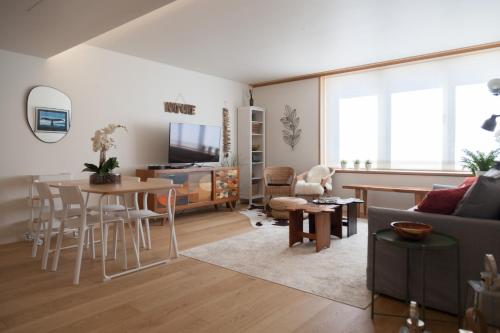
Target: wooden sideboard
200	187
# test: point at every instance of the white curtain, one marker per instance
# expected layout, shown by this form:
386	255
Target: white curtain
412	116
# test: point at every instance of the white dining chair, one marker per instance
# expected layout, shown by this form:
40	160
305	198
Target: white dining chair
145	214
114	205
49	219
36	205
72	196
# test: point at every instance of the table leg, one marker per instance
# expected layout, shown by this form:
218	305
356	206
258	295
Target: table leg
357	194
352	219
365	205
322	231
407	275
312	225
336	222
295	227
423	284
459	298
374	241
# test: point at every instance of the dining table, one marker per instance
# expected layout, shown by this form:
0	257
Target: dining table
126	187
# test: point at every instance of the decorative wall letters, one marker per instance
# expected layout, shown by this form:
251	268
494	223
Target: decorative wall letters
180	108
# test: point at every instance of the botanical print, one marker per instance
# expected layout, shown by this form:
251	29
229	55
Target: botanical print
291	133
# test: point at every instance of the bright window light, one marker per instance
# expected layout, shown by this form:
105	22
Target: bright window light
358	132
473	105
417	129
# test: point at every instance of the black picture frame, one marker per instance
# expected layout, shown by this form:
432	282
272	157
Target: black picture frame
49	120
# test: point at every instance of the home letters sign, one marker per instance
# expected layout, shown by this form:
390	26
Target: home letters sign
180	108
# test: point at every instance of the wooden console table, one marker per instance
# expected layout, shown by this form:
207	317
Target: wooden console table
361	192
199	186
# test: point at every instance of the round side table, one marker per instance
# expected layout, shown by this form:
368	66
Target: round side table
434	241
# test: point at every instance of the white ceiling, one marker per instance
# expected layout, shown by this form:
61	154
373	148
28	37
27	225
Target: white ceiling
250	40
258	40
44	28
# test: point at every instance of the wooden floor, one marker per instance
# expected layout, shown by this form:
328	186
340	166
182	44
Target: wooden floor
185	296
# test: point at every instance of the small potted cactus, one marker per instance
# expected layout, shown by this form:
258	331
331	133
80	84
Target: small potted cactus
343	164
368	164
356	164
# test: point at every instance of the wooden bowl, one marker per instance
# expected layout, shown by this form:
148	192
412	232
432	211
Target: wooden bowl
411	230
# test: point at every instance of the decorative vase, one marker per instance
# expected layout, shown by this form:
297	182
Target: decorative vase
251	97
110	178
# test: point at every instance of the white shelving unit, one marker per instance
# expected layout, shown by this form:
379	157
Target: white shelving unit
251	152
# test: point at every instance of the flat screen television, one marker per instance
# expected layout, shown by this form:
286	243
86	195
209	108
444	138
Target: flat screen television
192	143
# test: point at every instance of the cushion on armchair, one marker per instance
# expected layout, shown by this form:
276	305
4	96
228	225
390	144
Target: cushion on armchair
317	173
304	188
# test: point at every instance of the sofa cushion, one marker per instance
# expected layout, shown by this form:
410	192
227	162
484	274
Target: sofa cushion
481	200
442	201
468	181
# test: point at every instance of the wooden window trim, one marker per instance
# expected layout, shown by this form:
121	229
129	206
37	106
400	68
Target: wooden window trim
386	63
406	172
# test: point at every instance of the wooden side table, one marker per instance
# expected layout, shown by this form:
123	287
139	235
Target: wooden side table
322	217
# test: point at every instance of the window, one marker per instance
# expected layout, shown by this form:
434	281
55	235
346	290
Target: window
416	129
418	116
473	104
362	143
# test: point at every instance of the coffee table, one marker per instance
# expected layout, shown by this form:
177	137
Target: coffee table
320	222
351	220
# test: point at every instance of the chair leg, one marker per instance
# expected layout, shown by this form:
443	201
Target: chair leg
47	240
86	241
141	232
148	234
92	241
79	255
115	240
60	236
36	238
105	241
124	244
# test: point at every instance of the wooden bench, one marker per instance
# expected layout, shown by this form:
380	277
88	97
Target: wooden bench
361	192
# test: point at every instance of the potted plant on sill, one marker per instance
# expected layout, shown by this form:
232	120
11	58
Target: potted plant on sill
368	164
102	142
478	162
356	164
343	164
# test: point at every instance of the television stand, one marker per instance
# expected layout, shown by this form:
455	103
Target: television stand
200	186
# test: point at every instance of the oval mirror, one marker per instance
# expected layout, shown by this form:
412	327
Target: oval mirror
49	113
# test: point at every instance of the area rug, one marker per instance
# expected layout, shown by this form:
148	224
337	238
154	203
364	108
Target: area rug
337	273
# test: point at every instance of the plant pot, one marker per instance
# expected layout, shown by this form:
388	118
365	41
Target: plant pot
479	173
368	166
356	166
110	178
343	165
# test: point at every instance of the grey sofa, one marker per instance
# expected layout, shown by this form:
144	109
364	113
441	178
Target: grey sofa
476	237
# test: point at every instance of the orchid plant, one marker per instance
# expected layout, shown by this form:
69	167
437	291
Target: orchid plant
102	142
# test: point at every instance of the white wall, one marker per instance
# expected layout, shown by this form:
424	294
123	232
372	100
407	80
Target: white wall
105	87
300	95
304	95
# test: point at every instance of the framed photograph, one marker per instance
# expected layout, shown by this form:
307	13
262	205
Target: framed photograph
51	120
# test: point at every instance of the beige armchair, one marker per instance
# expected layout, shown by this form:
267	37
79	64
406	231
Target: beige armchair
278	181
315	182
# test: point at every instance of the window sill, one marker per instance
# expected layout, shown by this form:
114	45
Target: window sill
406	172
